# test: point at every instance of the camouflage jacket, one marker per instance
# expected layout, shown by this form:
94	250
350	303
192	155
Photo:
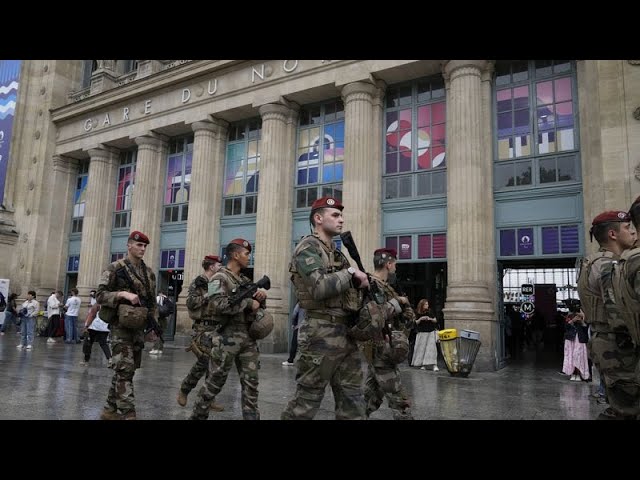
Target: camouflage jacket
320	278
224	284
626	290
114	280
404	319
198	299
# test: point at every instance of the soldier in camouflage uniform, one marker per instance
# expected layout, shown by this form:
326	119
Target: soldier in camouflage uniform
324	284
231	341
126	295
610	347
202	315
387	350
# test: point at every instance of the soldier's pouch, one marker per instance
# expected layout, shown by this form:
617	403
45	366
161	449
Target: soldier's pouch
134	318
351	300
108	314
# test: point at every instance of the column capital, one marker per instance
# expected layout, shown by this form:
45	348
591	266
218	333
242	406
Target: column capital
455	68
151	139
358	91
62	163
102	152
277	111
212	124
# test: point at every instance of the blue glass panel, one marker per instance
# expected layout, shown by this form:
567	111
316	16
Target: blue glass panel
339	172
181	258
171	263
507	243
569	239
163	261
550	240
525	241
313	175
327	173
339	132
302	176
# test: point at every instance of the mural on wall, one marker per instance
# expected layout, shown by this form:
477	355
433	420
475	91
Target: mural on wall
9	76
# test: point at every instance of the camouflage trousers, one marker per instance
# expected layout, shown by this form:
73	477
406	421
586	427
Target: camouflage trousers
617	360
232	345
383	379
126	346
326	356
199	369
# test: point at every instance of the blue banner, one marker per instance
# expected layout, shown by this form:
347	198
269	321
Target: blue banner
9	75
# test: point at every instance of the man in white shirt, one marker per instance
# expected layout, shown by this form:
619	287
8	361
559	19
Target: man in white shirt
29	312
72	308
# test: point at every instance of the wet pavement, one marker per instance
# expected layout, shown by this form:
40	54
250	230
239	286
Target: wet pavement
48	382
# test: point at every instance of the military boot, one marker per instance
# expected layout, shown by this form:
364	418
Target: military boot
130	415
182	398
109	414
216	407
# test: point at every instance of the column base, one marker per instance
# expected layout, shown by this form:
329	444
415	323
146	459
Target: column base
468	307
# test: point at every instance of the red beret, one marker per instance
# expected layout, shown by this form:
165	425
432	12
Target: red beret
242	242
611	216
327	202
389	251
213	258
139	237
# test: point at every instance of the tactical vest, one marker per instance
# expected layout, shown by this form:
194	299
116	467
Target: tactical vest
624	295
233	282
108	314
592	304
333	261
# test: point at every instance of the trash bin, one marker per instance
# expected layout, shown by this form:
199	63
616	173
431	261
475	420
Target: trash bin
459	351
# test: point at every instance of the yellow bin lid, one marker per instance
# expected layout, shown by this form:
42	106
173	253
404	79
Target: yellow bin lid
448	334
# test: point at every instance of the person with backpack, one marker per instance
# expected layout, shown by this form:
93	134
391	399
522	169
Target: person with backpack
611	347
165	309
10	314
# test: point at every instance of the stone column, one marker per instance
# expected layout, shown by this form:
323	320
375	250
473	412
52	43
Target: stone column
146	208
362	191
205	201
98	215
471	261
274	219
52	271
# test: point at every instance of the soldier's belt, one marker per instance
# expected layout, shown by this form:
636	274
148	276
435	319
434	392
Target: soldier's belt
331	318
207	323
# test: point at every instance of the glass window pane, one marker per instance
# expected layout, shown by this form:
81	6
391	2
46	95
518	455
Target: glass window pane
424	246
391	187
504	176
523	172
569	238
405	186
548	170
567	169
392	242
563	89
565	140
439	182
525	241
438	113
507	243
404	95
405	161
405	248
543	67
440	245
520	70
424	184
505	151
550	240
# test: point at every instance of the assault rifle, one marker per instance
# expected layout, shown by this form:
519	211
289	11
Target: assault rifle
153	326
247	290
374	292
350	244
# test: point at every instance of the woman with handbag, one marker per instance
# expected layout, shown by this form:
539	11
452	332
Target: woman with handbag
425	353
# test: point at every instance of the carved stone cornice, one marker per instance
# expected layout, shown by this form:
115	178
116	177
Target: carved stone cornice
275	111
65	164
103	153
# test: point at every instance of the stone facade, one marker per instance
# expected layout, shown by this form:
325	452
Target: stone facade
57	128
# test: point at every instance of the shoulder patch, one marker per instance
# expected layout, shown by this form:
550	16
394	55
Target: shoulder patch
215	286
309	260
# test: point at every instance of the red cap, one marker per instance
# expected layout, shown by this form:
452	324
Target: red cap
242	242
611	216
139	237
327	202
213	258
386	251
